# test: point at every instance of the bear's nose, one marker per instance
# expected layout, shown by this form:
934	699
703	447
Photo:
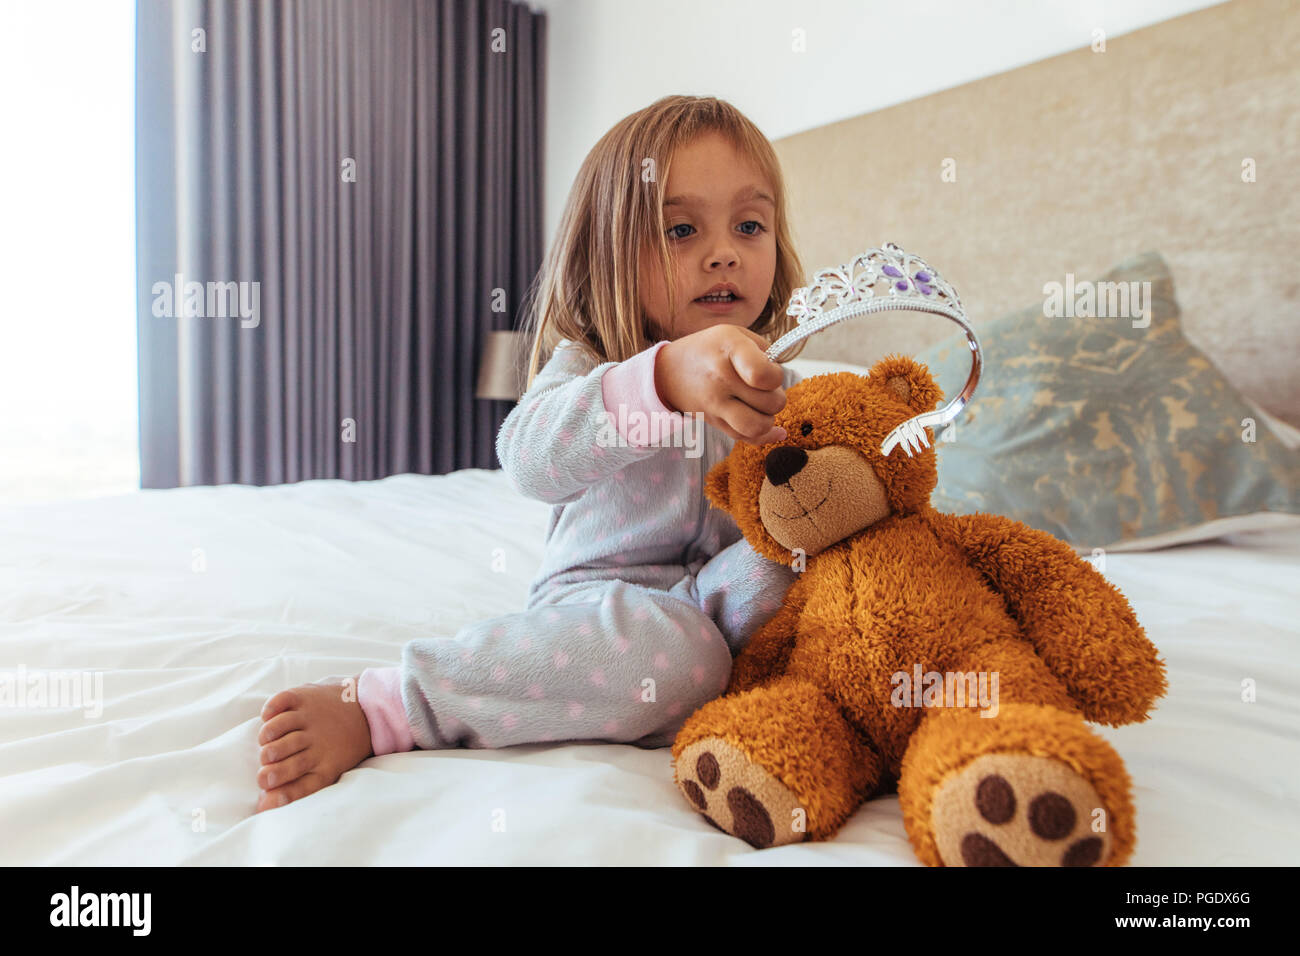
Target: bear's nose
782	464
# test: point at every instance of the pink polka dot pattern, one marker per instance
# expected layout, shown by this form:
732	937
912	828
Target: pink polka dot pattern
633	517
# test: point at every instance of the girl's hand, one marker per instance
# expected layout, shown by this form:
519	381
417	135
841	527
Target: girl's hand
723	372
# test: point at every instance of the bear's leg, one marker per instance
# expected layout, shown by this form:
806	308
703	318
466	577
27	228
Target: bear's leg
1015	778
775	764
1031	786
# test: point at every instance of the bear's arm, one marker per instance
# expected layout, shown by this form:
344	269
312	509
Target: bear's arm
764	658
1078	622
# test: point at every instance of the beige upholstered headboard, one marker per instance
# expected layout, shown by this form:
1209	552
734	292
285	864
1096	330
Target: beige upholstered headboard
1072	164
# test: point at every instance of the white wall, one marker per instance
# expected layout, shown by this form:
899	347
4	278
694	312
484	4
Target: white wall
608	58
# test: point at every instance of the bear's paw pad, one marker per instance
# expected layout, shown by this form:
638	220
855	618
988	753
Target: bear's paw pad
1019	810
738	796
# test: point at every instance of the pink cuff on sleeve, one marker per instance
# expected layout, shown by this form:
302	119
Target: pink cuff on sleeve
379	692
628	389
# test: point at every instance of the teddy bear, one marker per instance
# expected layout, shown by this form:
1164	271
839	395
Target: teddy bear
954	659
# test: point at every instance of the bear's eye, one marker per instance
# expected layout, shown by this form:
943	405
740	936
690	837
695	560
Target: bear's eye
805	428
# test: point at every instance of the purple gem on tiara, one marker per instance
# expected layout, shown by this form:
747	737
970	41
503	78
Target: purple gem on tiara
923	276
925	289
892	271
901	285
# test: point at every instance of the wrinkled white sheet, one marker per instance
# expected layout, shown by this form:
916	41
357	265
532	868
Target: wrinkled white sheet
197	604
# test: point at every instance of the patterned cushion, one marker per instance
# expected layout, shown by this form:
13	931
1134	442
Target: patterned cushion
1101	432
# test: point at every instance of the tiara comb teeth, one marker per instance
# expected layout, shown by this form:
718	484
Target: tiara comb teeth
879	280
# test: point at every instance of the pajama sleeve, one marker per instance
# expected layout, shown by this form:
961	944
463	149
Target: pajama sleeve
567	432
740	589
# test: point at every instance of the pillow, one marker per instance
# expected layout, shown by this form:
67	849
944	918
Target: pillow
1105	434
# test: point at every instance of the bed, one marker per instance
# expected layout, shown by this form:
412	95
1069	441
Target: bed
197	604
192	606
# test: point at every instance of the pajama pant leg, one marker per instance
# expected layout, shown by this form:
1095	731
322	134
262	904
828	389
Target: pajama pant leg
740	590
608	660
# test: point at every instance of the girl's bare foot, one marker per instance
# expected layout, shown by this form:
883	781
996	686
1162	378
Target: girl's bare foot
311	735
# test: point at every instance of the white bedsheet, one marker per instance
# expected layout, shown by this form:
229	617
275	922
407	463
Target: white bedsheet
301	582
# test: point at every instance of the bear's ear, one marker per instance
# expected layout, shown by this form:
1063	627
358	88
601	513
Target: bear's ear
908	381
717	484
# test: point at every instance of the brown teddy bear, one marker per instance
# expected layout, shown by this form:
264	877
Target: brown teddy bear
954	658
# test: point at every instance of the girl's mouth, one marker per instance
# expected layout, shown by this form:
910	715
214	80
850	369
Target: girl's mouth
718	300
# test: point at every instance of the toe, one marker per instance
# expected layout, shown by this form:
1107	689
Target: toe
285	700
290	792
284	747
286	771
281	724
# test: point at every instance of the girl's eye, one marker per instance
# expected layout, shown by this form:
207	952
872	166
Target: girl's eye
673	234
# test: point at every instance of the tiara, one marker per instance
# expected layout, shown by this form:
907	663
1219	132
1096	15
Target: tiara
879	280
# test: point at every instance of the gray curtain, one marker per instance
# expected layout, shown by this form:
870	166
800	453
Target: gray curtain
350	195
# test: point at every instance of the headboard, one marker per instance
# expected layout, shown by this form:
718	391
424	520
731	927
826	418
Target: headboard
1078	162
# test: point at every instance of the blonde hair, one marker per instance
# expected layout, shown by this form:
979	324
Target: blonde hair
588	289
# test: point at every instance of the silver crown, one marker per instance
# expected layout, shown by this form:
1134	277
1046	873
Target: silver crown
880	280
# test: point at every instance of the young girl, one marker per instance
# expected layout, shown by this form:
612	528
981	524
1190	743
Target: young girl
645	592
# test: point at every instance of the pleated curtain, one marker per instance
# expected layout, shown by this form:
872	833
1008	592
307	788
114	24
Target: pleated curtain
368	176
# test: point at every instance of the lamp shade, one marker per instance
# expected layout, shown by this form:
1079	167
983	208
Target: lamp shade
501	368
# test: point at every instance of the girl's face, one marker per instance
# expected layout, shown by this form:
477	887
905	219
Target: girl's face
718	213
